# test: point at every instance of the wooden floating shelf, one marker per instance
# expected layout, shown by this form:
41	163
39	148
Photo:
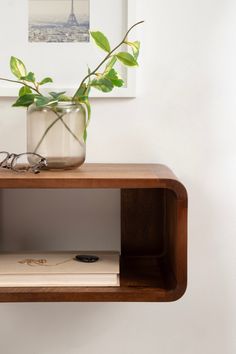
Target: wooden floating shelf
153	232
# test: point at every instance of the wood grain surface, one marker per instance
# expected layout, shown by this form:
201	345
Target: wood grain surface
153	231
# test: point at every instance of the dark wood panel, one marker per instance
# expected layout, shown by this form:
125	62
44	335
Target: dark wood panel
136	294
142	221
176	238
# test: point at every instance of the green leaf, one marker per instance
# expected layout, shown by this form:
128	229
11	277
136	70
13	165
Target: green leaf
17	67
126	59
110	64
80	92
56	95
24	90
113	76
85	135
101	41
82	99
46	80
135	48
30	77
102	84
64	98
88	88
41	101
25	100
88	108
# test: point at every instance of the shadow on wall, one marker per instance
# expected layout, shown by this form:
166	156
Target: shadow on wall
207	267
60	220
72	322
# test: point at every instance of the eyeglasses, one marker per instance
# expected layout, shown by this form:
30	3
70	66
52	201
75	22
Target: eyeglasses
22	162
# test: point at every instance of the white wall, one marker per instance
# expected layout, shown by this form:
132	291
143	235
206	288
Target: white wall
184	116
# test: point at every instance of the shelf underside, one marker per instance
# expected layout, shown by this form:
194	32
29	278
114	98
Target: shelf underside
141	278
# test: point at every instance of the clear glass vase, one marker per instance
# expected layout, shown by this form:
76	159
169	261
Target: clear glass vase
57	133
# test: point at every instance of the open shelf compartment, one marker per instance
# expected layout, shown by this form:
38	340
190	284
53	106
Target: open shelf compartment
153	233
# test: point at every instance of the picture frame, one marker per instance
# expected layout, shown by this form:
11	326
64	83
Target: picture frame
65	62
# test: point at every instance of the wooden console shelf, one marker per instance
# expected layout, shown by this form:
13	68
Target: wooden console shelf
153	231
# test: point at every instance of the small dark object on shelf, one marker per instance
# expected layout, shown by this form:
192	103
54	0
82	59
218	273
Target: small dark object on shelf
86	258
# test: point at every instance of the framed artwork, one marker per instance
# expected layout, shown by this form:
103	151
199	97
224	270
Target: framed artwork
52	39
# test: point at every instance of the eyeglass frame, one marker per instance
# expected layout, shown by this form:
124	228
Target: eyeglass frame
11	158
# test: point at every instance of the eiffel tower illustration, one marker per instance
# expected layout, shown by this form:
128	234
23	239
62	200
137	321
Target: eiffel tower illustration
72	20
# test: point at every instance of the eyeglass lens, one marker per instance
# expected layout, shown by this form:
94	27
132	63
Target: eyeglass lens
22	162
3	157
27	161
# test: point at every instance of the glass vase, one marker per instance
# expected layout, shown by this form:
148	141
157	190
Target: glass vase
57	133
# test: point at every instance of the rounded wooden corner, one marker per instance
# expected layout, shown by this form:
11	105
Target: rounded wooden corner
178	188
166	177
177	293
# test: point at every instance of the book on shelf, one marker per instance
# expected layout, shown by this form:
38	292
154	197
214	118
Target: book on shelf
58	269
